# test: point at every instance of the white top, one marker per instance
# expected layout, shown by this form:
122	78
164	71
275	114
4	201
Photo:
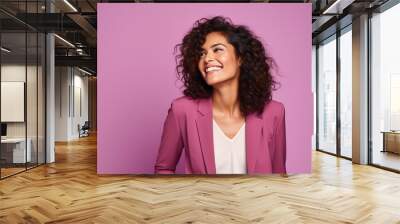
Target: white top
230	154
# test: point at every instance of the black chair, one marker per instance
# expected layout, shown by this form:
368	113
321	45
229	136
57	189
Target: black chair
84	130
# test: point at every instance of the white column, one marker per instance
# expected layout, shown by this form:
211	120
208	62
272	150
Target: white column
360	90
50	100
50	92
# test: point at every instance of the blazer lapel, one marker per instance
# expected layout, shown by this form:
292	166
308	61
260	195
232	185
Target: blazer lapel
254	135
204	128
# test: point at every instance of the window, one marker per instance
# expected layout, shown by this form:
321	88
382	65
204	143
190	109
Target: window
346	93
385	88
327	95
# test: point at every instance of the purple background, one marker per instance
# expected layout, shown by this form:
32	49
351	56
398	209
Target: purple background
137	79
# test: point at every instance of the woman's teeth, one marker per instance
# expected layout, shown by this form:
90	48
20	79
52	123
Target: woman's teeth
211	69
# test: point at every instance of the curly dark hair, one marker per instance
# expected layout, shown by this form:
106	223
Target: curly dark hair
255	80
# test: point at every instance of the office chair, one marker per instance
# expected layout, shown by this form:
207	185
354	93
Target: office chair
84	130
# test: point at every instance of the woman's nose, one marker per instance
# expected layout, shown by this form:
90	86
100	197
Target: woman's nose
209	57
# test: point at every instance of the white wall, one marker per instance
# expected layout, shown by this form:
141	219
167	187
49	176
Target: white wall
80	111
61	103
71	92
12	101
12	73
17	73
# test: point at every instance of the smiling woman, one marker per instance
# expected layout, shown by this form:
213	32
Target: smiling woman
227	122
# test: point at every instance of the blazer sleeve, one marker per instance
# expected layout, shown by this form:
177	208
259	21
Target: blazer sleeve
171	145
279	156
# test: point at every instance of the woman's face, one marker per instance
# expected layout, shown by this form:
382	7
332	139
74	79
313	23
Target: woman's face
218	62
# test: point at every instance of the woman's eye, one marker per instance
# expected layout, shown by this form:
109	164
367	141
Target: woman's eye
217	49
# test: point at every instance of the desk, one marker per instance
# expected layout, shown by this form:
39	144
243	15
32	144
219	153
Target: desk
15	148
391	141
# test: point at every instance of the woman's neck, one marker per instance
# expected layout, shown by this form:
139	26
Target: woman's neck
226	101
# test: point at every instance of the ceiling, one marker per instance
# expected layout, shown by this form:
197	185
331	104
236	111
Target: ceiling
76	22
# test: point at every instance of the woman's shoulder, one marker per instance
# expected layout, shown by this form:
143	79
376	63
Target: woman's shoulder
184	104
274	107
184	101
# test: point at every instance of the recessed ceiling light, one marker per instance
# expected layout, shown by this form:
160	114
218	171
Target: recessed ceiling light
337	7
64	40
84	71
70	5
5	50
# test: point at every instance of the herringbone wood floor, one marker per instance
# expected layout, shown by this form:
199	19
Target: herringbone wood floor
70	191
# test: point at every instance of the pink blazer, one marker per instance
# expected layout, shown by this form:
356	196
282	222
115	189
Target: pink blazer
188	126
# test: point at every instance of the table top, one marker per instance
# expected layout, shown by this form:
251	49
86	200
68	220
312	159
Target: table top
391	132
13	140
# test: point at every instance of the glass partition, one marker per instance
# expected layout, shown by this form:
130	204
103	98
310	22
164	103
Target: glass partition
327	96
32	95
22	77
41	107
13	109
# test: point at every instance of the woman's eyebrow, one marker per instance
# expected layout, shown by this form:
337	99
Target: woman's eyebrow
214	45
